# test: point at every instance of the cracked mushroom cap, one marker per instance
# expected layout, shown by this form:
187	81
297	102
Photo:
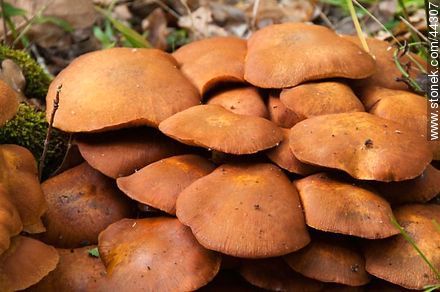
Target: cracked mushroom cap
395	259
77	270
214	127
244	210
155	254
10	222
285	55
212	61
19	176
121	153
8	103
82	202
242	100
336	206
363	145
25	263
280	114
119	88
330	261
320	98
158	184
275	275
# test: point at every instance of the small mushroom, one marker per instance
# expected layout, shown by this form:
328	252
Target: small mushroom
155	254
159	183
121	153
333	205
8	103
285	55
10	222
244	210
361	144
242	100
330	261
123	88
280	114
211	61
214	127
82	202
395	259
25	263
320	98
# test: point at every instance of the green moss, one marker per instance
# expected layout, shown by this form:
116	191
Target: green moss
28	129
37	80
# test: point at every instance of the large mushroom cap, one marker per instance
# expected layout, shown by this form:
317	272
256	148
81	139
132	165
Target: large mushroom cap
159	183
117	88
214	127
320	98
19	176
8	102
156	254
10	222
244	210
210	61
242	100
25	263
288	54
361	144
330	261
340	207
280	114
82	202
395	259
121	153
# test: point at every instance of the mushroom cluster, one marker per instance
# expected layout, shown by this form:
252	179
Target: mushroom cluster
276	163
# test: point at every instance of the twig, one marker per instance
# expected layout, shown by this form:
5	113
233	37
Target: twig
414	29
357	26
49	131
324	17
188	10
5	27
255	13
167	8
69	147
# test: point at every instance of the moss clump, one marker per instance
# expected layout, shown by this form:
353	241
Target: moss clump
28	129
37	80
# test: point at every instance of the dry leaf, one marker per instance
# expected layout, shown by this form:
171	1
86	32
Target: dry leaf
13	76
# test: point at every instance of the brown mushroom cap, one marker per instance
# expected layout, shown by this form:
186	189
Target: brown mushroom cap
8	103
82	202
330	261
155	254
275	275
214	127
159	183
242	100
288	54
341	207
19	176
395	259
244	210
386	69
121	153
210	61
419	190
361	144
25	263
76	271
10	222
280	114
282	156
123	88
320	98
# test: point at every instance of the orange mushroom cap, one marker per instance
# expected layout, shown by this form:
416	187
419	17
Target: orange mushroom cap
361	144
285	55
123	88
8	103
214	127
330	261
395	259
280	114
159	183
10	222
121	153
333	205
82	202
25	263
244	210
242	100
320	98
155	254
211	61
